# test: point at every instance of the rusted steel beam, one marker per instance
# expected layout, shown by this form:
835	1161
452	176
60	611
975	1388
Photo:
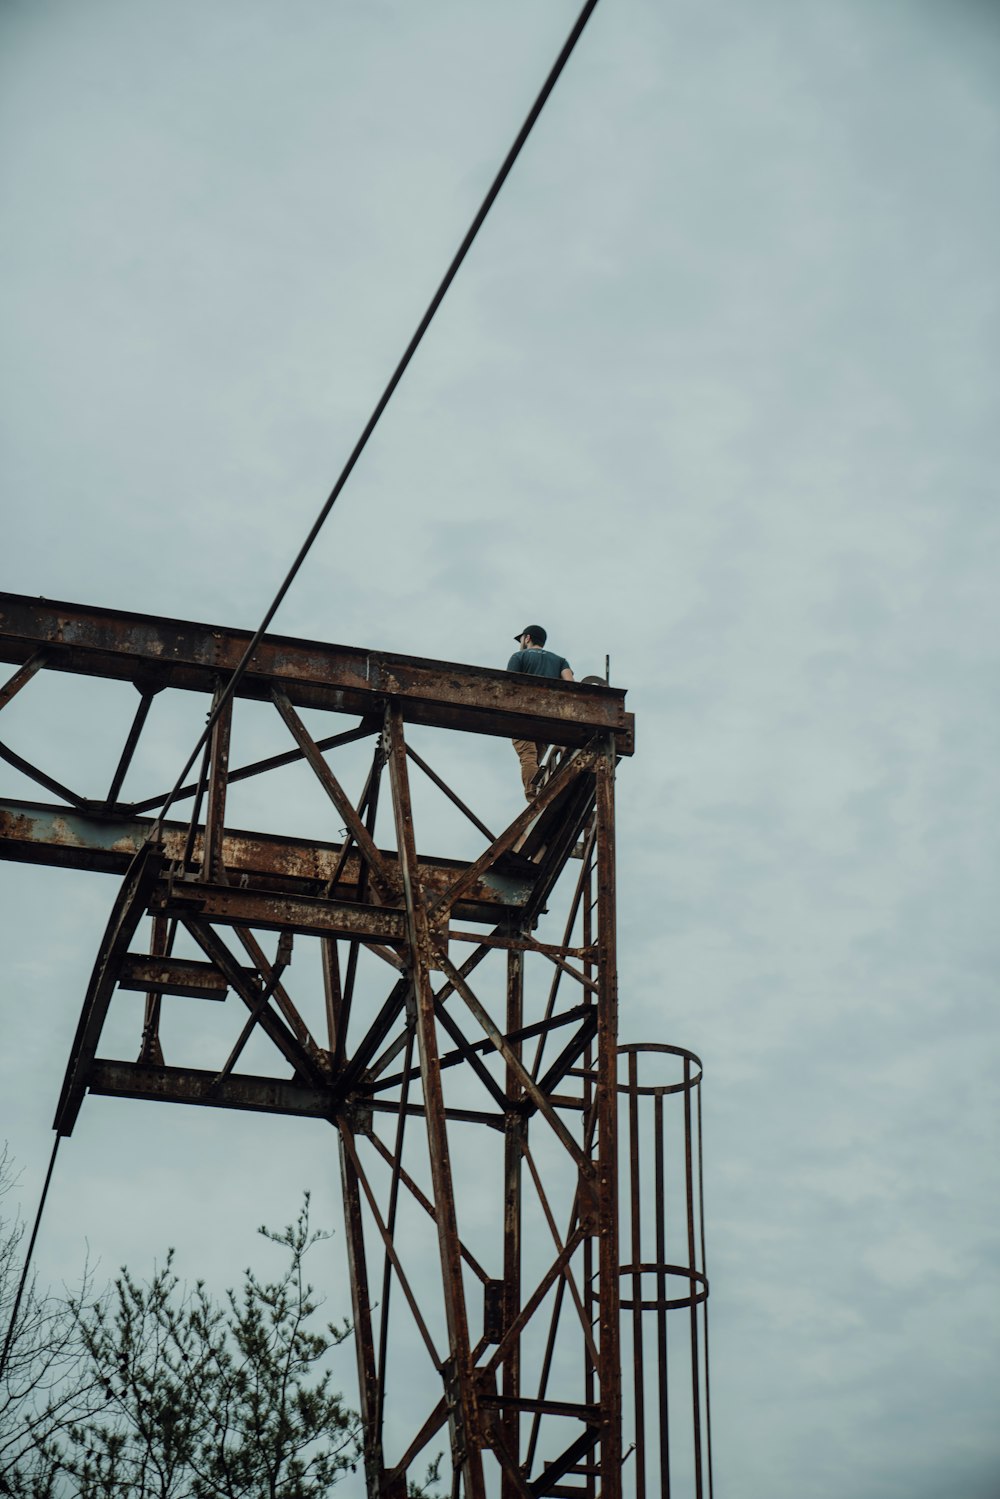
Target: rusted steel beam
586	951
377	871
392	1051
431	1426
606	1108
574	1228
546	1368
257	767
215	816
470	1055
361	1308
150	1050
21	678
584	898
582	1311
573	1049
125	760
39	776
261	1094
302	1053
264	1095
281	963
40	833
552	839
452	796
516	1067
424	1202
303	915
545	1484
262	964
513	1039
352	1075
341	679
534	1301
383	880
465	1431
515	1131
587	1413
526	1032
386	1237
369	801
459	1116
333	995
396	1167
518	942
511	1476
168	975
501	845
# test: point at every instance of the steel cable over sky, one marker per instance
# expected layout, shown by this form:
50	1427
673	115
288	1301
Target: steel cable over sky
384	399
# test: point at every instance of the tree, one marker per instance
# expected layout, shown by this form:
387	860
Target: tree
207	1400
153	1390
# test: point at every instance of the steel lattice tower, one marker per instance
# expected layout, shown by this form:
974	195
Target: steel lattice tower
470	1066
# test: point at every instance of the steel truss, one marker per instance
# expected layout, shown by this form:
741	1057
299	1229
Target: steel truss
469	1065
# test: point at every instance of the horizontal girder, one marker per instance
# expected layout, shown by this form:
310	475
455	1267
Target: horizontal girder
39	833
154	652
268	1095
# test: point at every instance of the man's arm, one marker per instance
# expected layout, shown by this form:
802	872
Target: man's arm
567	675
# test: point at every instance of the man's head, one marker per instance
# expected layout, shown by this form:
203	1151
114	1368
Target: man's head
531	635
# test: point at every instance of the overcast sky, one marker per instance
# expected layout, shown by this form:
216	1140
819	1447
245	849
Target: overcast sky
715	393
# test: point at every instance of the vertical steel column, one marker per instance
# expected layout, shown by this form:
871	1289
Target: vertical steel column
514	1125
215	816
587	935
150	1050
606	1103
463	1415
332	992
345	990
362	1313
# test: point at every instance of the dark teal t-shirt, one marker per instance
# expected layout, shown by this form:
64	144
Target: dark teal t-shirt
538	663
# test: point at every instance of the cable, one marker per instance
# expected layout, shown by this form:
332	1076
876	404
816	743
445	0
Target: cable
27	1261
386	396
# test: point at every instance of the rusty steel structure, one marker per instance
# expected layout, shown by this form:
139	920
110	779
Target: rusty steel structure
460	1033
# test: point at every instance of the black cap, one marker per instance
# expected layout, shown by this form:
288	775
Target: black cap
538	635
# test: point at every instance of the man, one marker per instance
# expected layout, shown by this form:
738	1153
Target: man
535	661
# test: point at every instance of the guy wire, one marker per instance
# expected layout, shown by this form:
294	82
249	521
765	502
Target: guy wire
27	1261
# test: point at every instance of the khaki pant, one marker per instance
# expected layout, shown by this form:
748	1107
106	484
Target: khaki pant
530	753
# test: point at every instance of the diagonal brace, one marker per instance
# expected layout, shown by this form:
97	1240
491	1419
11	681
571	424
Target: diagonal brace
21	677
517	1067
576	763
293	1052
381	875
